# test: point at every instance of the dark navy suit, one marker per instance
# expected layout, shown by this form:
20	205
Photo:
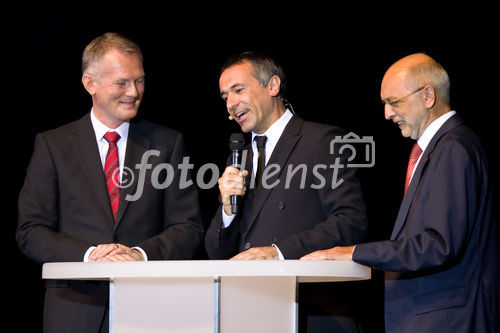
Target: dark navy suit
442	261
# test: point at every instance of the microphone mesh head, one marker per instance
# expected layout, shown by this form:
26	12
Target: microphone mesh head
237	141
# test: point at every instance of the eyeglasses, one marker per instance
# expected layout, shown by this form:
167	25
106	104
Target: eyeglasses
394	103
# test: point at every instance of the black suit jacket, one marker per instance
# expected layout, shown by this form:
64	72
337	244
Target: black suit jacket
294	215
64	209
302	215
444	245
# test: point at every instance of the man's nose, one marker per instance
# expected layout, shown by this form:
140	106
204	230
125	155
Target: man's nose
389	112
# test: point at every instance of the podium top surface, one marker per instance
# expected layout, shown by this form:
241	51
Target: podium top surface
305	271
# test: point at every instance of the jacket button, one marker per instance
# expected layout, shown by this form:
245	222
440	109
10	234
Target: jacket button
281	205
247	246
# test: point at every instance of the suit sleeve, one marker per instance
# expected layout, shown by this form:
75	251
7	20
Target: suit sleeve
444	206
220	242
38	233
182	226
342	202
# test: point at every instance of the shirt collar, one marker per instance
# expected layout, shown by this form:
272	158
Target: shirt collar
100	129
274	132
432	129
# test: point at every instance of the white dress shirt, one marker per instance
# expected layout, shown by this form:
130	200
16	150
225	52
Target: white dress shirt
428	134
273	134
102	144
100	129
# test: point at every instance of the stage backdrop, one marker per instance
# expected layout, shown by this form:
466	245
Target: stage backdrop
334	59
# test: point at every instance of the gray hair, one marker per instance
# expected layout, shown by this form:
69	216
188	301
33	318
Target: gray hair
430	73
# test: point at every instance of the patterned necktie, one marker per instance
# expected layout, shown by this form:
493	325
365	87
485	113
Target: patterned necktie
416	151
261	162
112	171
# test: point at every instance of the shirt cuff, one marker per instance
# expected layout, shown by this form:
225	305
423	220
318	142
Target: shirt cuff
227	219
87	254
142	251
280	255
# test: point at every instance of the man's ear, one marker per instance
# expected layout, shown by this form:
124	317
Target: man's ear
430	97
88	83
274	85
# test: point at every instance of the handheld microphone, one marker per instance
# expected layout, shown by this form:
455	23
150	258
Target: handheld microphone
236	144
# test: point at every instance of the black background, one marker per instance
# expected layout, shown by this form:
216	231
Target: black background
334	58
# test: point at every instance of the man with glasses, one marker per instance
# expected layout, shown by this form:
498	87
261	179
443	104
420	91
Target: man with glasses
74	203
442	260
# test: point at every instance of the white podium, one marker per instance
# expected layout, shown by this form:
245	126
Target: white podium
199	296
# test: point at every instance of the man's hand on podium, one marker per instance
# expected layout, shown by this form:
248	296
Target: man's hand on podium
258	253
335	253
115	252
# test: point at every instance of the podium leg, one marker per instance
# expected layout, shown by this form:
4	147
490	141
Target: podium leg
258	304
181	305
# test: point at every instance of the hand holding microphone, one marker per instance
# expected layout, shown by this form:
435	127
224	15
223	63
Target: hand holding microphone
232	183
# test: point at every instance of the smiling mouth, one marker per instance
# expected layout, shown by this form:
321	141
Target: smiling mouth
129	104
240	116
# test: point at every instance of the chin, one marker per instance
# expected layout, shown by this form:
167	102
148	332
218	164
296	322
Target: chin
405	132
245	129
128	114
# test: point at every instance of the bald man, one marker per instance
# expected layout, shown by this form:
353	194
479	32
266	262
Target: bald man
442	261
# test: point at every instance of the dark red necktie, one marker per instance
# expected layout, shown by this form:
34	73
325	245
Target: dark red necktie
112	171
416	151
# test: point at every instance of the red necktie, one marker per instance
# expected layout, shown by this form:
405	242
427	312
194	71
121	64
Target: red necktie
416	151
111	170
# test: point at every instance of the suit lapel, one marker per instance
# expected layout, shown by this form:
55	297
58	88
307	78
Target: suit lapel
280	155
451	123
410	193
87	152
138	143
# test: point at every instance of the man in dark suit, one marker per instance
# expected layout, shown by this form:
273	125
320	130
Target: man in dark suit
442	260
80	202
301	202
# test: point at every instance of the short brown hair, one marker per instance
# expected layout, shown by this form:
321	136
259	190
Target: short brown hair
96	49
